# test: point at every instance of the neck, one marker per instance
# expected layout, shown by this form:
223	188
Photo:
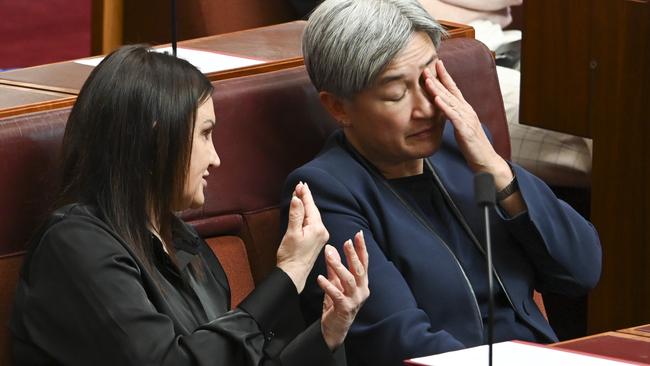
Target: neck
389	169
400	170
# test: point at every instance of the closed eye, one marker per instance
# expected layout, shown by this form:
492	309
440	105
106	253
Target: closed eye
396	98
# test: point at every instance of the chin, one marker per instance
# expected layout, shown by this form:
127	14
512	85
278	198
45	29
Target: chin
197	204
427	150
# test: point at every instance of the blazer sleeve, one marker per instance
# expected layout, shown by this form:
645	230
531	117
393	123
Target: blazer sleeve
85	303
563	247
391	315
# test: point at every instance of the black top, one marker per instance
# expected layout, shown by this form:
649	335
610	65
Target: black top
83	298
425	196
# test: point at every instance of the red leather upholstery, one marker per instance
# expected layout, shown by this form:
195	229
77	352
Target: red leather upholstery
28	149
267	125
231	252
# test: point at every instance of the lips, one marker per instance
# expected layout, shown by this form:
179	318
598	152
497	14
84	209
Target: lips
423	133
434	127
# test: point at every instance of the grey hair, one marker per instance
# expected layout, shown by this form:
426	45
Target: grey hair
348	43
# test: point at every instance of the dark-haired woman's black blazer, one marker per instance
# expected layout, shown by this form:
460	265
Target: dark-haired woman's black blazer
85	299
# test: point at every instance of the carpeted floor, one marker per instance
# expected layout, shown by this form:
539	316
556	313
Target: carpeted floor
34	32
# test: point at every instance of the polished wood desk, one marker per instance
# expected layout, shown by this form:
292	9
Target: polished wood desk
642	330
278	45
17	100
618	345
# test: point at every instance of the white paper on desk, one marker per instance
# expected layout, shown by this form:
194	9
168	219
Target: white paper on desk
205	61
515	354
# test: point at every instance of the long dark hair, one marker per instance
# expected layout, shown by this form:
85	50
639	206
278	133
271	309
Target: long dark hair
127	144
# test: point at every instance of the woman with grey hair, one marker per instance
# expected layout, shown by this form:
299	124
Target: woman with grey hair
401	167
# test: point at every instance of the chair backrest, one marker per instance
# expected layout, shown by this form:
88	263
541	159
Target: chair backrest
268	125
27	152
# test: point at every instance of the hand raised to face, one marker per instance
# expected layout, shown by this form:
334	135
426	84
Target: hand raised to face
471	137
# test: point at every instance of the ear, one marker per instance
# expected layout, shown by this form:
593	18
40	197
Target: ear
335	105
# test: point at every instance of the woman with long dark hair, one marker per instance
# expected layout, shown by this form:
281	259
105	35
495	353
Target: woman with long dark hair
114	277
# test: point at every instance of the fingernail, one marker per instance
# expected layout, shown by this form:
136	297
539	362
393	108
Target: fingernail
328	251
361	233
294	198
348	243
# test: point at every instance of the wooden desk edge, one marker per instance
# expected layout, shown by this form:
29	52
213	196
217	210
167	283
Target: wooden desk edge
635	331
617	334
39	87
38	107
454	30
214	76
458	30
255	69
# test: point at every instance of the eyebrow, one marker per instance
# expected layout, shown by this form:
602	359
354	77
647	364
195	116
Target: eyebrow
390	78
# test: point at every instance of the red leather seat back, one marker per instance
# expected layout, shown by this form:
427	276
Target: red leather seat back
28	146
231	252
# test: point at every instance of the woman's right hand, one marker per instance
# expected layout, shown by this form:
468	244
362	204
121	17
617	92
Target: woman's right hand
345	289
305	237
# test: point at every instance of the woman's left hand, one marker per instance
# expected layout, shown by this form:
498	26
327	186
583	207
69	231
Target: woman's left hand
345	291
471	138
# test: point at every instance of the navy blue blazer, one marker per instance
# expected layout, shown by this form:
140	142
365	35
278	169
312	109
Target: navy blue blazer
421	301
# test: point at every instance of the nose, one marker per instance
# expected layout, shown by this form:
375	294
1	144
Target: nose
423	107
214	157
